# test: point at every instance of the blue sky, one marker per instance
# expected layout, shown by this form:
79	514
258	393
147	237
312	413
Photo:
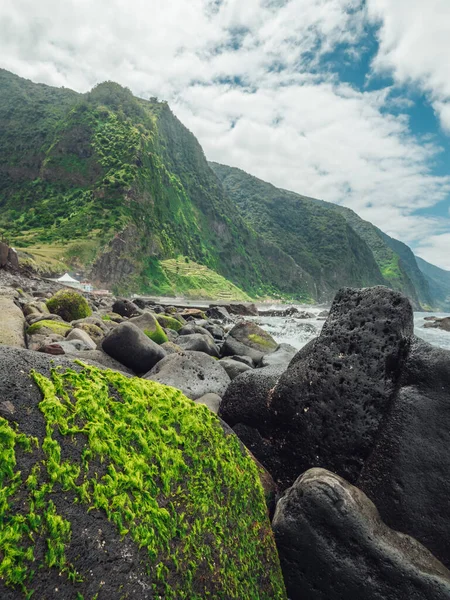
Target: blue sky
343	100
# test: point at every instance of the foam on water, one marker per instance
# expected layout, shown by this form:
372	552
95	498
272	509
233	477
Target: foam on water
299	332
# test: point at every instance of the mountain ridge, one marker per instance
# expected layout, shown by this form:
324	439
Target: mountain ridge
116	186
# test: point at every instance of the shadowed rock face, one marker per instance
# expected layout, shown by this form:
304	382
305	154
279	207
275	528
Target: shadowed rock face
333	545
407	475
326	408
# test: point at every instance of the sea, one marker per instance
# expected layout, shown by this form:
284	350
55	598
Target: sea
299	332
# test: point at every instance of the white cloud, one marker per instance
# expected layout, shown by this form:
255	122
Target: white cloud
436	250
414	46
289	122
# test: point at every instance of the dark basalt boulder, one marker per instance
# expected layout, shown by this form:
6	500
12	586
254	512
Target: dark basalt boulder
248	339
218	312
333	545
192	328
198	342
194	373
328	405
234	367
131	347
443	324
126	308
407	475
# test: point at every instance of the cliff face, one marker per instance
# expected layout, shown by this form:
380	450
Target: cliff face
331	242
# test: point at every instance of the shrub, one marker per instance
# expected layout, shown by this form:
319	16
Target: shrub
69	305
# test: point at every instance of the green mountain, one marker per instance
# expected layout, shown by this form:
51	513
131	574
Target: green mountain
438	281
117	184
331	242
117	187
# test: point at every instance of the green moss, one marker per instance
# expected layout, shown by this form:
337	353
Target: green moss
69	305
106	318
158	335
173	483
262	341
169	322
54	326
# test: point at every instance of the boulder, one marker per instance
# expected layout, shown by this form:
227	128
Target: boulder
407	475
175	323
212	401
234	367
99	358
130	490
130	346
333	545
443	324
94	331
243	359
194	313
244	310
248	339
125	308
191	328
12	320
83	336
194	373
69	305
172	335
245	407
282	356
48	327
35	308
4	250
199	343
150	326
171	347
215	330
63	347
328	405
218	312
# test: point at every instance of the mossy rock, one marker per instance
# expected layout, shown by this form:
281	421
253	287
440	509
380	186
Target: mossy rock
47	327
116	487
69	305
148	323
93	330
169	322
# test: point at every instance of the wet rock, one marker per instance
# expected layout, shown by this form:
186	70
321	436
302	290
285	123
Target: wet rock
149	324
333	545
130	346
194	373
443	324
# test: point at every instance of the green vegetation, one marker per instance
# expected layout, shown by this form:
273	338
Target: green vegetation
159	467
158	335
197	281
69	305
265	342
53	326
169	322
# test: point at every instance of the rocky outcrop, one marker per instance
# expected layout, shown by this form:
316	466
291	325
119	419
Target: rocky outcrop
334	545
327	406
407	473
436	323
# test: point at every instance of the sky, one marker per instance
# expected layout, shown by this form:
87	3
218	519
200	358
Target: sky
343	100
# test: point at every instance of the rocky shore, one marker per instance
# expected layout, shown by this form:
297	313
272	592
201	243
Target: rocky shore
261	472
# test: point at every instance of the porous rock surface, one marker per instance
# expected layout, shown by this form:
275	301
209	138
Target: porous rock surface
407	475
333	545
194	373
102	495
